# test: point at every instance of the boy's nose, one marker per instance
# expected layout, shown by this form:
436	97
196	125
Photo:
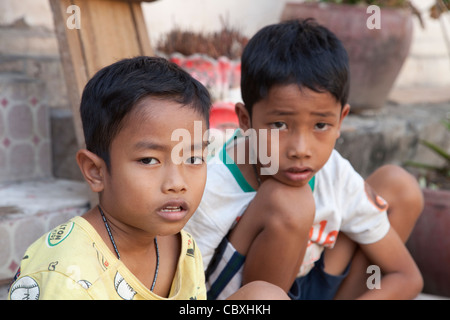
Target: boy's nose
299	147
173	180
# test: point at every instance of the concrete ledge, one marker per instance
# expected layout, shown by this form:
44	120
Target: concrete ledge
393	135
30	209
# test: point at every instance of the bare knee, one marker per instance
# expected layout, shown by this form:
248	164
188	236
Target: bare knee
277	210
398	187
259	290
403	194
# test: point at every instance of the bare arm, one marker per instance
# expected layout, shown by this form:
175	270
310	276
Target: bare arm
401	277
273	233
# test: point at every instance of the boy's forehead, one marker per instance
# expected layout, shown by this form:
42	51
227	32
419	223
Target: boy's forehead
153	107
155	122
294	92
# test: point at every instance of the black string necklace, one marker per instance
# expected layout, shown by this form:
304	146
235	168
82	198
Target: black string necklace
255	170
117	250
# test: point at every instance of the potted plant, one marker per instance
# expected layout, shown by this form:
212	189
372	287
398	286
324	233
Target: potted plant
377	42
429	242
212	58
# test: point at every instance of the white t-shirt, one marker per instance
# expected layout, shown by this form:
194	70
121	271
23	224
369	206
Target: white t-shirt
344	202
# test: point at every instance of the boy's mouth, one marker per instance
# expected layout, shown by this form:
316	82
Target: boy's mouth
298	170
173	210
299	173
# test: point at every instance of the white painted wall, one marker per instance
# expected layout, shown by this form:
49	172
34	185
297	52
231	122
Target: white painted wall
428	63
35	12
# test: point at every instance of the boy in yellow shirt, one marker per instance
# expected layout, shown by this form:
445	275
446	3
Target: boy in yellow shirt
132	246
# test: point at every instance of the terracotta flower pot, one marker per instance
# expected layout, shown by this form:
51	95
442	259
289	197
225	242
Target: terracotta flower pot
429	242
376	55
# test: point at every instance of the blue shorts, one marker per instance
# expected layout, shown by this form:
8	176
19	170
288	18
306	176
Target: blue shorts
224	277
317	284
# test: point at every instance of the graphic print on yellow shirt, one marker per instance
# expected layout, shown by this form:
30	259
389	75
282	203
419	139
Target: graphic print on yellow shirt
73	262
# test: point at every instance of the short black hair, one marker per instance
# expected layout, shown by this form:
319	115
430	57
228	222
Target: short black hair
115	90
298	52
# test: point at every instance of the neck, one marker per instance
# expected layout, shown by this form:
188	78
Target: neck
127	239
250	170
134	250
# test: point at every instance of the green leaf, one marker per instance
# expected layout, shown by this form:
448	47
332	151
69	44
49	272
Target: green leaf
421	165
438	150
446	124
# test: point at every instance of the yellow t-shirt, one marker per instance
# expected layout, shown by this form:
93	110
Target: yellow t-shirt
73	262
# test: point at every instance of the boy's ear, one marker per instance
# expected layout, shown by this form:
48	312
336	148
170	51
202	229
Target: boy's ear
243	116
344	112
93	169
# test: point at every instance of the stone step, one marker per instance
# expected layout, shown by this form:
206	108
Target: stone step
31	208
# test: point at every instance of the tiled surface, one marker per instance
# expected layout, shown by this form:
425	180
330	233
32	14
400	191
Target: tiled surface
30	209
24	130
31	201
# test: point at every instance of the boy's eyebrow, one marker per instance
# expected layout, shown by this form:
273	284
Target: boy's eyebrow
315	113
144	145
200	146
324	114
281	113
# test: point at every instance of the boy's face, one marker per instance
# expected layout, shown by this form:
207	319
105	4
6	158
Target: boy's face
145	188
308	125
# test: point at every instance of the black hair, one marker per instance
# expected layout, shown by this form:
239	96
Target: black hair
115	90
294	51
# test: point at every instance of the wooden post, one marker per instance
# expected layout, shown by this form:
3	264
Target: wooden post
109	30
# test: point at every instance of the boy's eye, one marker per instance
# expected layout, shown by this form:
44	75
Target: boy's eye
321	126
195	160
279	125
149	161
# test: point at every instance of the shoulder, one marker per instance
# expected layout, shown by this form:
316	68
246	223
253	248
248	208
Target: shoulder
222	171
336	163
70	238
68	246
45	270
188	244
337	176
192	265
52	245
64	263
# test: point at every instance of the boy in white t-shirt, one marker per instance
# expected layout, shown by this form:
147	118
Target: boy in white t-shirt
259	220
